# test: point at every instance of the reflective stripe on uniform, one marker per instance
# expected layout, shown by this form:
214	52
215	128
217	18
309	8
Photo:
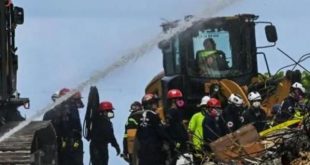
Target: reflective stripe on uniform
131	120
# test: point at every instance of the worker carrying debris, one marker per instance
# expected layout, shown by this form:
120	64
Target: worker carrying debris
102	134
66	121
151	134
130	131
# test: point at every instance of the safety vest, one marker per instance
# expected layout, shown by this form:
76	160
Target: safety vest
206	53
195	127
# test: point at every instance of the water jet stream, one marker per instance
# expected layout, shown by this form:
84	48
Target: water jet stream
133	55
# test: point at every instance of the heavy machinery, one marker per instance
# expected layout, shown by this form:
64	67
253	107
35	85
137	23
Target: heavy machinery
35	143
235	37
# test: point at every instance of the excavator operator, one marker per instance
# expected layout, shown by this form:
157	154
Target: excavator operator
210	60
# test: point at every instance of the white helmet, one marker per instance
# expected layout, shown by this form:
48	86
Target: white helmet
204	100
299	86
254	96
235	99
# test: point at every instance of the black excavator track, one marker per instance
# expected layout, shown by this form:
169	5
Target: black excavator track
35	144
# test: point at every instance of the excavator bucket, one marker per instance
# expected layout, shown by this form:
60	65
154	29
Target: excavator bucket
34	144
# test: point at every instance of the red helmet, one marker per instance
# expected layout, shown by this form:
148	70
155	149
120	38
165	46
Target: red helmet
64	91
174	93
214	103
105	106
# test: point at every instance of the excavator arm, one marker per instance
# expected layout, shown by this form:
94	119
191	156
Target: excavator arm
10	17
36	143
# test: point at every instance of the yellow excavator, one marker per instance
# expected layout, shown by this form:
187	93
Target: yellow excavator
235	37
35	143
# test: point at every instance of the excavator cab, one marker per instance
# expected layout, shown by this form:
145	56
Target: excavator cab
209	50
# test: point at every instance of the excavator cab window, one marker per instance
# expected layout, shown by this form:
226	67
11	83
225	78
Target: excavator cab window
228	55
212	51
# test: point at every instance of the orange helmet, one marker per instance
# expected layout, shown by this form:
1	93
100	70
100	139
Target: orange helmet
214	103
174	93
106	106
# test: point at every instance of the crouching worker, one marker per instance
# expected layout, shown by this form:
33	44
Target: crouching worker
102	134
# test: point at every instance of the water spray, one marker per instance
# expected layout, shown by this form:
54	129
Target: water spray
133	55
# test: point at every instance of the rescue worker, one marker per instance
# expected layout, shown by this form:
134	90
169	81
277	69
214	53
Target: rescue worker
294	105
174	123
130	131
102	134
66	121
196	130
151	134
210	60
213	124
232	113
255	114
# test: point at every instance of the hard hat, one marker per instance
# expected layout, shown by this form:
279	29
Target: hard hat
299	86
136	106
174	93
254	96
64	91
235	99
105	106
149	98
204	100
214	103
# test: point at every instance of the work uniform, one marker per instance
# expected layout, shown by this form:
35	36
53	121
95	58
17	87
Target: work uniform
73	140
232	116
176	132
151	136
66	121
213	128
131	128
195	128
257	116
102	135
206	66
